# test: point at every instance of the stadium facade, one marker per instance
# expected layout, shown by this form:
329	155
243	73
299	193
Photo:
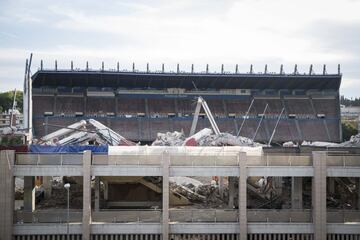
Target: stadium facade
138	105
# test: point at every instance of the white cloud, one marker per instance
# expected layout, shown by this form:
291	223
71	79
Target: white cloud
215	32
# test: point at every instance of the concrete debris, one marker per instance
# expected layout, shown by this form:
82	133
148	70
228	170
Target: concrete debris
320	144
353	142
290	144
204	137
83	132
226	139
184	181
169	139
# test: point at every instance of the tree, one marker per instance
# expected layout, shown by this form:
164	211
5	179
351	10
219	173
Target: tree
6	100
348	130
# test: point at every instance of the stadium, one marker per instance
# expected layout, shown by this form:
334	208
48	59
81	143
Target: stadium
138	105
156	155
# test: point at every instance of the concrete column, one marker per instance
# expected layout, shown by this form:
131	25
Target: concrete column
29	193
331	187
296	193
231	191
319	195
7	188
242	196
221	187
358	191
165	195
106	190
47	182
86	221
97	193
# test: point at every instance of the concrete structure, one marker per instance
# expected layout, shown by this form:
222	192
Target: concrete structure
138	105
242	223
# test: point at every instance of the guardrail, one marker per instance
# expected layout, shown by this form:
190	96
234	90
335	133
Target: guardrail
186	215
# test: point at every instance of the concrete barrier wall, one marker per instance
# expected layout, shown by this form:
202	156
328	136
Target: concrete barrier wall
47	216
48	159
127	216
343	160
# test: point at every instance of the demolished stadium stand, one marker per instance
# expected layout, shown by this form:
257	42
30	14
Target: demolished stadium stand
140	104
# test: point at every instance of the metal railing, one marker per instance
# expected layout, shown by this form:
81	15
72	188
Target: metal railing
47	216
186	215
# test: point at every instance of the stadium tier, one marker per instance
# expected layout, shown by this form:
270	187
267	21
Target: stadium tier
138	105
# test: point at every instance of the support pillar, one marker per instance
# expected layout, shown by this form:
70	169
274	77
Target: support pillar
221	187
97	194
296	193
319	195
331	187
165	195
7	188
242	196
47	182
29	193
231	181
358	193
106	190
86	221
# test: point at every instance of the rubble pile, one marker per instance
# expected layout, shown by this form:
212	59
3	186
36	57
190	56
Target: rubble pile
169	139
204	137
226	139
353	142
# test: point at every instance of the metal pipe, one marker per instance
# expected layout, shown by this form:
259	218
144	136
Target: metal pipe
246	115
277	122
262	118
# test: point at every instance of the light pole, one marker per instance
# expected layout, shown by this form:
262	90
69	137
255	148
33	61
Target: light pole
67	186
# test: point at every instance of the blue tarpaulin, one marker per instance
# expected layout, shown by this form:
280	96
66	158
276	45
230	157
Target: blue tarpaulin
68	148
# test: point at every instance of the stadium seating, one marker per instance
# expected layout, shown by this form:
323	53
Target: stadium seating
100	106
161	106
42	104
69	105
326	106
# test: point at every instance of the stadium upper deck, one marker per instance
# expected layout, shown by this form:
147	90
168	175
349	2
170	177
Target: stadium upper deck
161	80
140	104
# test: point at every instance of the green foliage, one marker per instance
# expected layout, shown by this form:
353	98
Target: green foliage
6	101
349	102
11	140
348	129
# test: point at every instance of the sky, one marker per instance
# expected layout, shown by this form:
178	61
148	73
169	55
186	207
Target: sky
198	32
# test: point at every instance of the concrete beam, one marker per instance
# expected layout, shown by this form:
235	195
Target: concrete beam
343	171
206	171
47	170
125	170
46	229
126	228
181	228
7	189
86	221
281	171
165	195
319	195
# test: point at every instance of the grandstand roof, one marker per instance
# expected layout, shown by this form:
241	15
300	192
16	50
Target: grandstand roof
115	79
